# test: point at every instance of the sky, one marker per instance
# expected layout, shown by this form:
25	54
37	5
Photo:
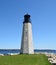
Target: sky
43	18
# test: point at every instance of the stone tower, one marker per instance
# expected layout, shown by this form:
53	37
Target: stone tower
26	42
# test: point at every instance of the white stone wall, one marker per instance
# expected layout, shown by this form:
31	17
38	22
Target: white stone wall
27	43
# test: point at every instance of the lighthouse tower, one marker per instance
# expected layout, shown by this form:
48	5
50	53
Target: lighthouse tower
27	42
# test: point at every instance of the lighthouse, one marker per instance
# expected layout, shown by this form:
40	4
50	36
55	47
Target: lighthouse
27	41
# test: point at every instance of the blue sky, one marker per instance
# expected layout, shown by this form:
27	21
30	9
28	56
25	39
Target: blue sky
43	17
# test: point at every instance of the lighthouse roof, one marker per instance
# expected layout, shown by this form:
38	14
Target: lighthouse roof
27	16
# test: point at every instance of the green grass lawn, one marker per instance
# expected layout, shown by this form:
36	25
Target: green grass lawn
37	59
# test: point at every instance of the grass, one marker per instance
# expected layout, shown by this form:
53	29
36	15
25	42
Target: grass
37	59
